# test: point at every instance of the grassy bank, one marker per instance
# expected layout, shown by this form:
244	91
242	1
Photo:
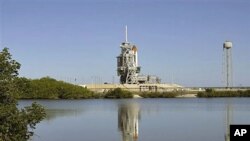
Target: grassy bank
212	93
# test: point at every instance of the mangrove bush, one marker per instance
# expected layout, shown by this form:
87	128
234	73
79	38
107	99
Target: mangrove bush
228	93
16	125
118	93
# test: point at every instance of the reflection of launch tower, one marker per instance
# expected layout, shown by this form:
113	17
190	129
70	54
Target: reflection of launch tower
128	116
127	63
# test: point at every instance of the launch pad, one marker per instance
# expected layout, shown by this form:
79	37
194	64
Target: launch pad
128	70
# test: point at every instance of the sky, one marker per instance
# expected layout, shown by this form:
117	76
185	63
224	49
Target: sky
181	41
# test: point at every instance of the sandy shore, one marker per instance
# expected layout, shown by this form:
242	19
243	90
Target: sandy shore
188	95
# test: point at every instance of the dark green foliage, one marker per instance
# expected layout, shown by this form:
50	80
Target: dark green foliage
159	94
209	90
22	86
224	94
49	88
15	123
8	72
8	67
118	93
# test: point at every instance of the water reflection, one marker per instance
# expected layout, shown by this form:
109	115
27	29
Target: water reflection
228	122
163	119
128	121
52	114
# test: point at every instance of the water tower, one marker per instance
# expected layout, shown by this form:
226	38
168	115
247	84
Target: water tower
227	62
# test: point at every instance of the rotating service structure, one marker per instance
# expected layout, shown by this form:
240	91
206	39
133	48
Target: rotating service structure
128	68
127	63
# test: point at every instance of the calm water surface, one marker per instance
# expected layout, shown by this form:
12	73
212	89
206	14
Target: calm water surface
190	119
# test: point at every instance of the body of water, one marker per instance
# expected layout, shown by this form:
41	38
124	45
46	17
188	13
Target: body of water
177	119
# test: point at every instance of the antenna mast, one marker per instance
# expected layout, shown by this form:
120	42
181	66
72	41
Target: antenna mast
126	34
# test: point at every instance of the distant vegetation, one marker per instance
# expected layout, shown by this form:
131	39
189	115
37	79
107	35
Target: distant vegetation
213	93
49	88
118	93
159	94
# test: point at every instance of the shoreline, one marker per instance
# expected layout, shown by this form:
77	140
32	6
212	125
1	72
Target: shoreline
187	96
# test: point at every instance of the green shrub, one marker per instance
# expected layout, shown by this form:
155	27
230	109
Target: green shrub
118	93
158	94
49	88
15	124
209	90
238	93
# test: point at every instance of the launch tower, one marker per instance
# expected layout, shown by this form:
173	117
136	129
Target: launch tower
128	68
127	62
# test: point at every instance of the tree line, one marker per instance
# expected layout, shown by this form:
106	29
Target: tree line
226	93
49	88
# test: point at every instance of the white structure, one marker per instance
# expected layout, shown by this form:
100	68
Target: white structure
127	65
227	62
127	62
134	87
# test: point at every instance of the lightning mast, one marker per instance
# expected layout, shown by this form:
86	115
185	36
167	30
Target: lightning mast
126	33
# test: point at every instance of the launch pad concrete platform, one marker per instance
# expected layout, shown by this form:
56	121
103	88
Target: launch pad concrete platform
134	87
